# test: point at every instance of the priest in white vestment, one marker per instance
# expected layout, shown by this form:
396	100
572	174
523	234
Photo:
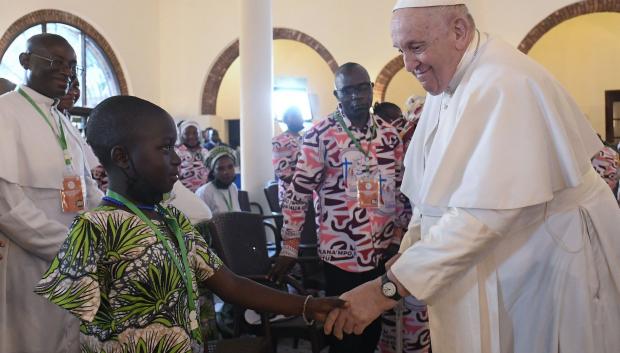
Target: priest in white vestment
32	223
517	244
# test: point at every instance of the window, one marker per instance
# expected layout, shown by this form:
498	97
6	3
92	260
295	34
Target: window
291	92
97	82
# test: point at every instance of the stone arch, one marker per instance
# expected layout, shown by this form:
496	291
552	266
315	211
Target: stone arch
230	53
52	15
385	77
563	14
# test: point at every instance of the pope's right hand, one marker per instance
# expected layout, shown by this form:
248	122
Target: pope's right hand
281	268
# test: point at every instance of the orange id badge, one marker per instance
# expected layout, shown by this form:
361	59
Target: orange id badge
367	192
71	195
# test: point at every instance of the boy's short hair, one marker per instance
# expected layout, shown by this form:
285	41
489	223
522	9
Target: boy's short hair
115	121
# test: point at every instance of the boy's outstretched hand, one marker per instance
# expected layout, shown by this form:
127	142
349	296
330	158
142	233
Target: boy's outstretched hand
318	308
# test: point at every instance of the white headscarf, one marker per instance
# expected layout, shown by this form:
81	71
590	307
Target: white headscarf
184	125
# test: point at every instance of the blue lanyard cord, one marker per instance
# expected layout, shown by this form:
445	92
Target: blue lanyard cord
182	265
118	203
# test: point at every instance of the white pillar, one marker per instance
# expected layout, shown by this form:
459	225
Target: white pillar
256	55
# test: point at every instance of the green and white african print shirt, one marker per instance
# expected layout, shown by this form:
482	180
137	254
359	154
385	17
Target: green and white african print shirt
116	276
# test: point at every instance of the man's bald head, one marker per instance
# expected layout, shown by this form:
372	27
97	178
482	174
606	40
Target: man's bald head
349	69
44	41
433	41
50	62
354	91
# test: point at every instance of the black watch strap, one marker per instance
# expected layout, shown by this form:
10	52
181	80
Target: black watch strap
389	289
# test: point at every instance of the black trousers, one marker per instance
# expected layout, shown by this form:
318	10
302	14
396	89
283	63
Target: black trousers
338	281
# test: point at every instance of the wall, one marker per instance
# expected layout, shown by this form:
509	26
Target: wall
402	86
166	47
583	54
292	59
131	28
194	32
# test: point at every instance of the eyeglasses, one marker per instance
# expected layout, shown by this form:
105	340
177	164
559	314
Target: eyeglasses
362	88
57	64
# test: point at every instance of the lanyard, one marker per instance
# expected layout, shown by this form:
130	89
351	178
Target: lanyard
60	137
229	203
183	268
355	140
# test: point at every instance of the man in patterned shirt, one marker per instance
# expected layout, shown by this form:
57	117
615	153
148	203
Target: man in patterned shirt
286	148
352	160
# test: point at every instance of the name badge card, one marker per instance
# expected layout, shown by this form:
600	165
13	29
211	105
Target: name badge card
368	192
71	195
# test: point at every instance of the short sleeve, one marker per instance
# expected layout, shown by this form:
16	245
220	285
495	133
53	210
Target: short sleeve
205	261
71	281
202	259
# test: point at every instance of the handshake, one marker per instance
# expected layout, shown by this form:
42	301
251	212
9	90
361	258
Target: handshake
354	311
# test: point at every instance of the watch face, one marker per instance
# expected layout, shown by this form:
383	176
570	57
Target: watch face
389	289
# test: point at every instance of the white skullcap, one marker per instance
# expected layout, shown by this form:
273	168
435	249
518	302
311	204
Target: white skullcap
402	4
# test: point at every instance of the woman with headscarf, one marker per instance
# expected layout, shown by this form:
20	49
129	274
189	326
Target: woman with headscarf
221	193
192	171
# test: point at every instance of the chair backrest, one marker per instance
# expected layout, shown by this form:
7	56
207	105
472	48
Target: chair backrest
246	205
271	194
244	201
239	240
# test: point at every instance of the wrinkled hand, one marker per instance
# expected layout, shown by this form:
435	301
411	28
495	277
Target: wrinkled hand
364	304
281	268
318	308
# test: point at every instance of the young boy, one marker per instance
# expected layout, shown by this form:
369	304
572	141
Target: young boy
129	268
220	193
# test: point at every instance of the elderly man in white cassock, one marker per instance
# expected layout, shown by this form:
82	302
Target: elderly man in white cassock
44	182
517	246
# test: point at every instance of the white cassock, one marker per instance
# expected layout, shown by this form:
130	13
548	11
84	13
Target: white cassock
187	202
33	224
519	239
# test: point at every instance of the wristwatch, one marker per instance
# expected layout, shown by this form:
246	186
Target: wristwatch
388	288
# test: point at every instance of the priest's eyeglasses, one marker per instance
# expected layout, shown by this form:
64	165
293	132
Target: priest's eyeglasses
57	64
362	88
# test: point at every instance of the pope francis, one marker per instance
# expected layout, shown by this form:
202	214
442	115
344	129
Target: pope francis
516	240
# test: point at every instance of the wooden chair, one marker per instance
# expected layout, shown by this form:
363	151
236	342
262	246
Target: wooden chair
246	205
273	199
232	345
239	240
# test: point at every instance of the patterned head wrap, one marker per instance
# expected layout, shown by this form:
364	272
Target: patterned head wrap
414	107
218	152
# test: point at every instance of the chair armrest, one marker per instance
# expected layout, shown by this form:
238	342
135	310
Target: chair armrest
288	279
308	246
257	205
274	216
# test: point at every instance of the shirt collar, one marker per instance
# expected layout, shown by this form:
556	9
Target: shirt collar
352	127
39	98
466	60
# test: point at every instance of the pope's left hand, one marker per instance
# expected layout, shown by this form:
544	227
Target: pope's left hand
365	304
